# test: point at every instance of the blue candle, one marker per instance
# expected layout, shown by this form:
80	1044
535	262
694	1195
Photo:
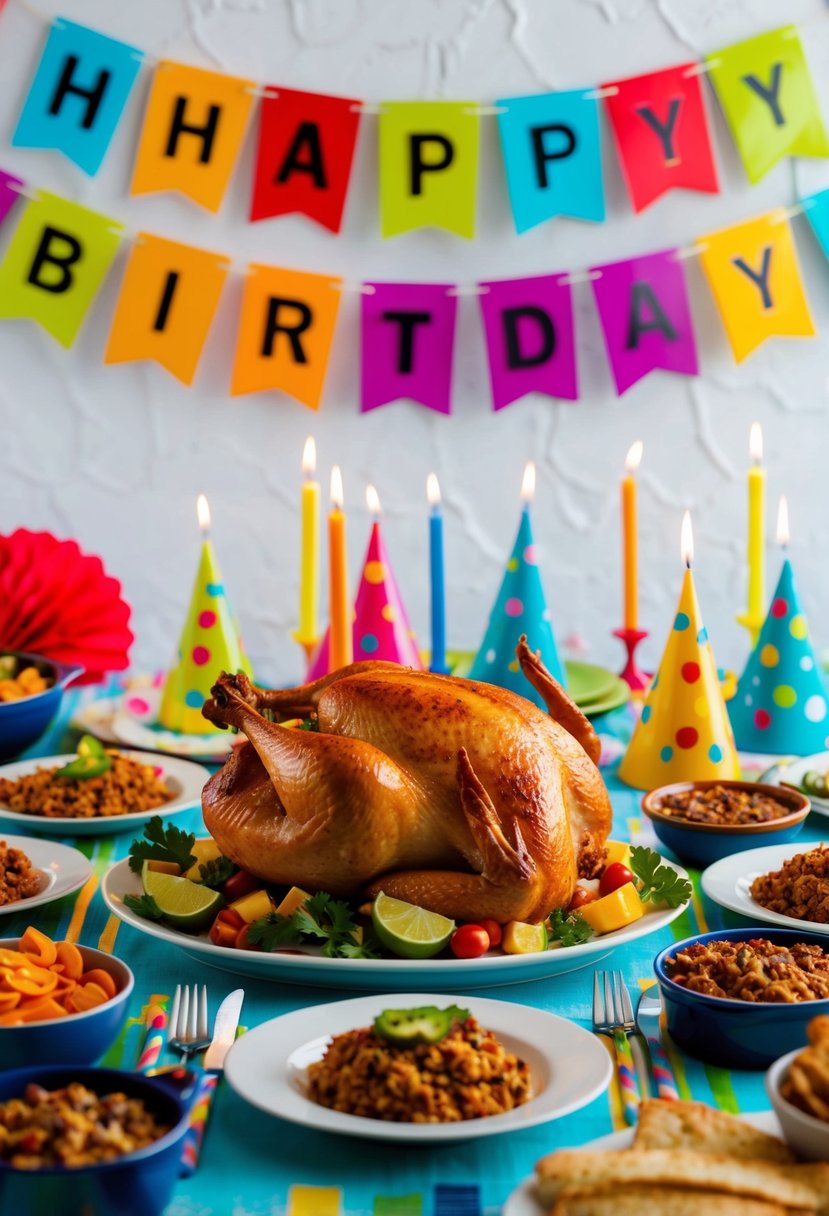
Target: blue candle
437	582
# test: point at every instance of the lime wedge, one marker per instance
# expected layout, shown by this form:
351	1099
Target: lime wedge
407	930
522	938
185	904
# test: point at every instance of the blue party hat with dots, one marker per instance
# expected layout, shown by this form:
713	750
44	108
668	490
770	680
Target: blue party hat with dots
520	608
780	705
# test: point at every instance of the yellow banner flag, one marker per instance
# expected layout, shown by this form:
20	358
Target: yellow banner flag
754	274
193	129
55	264
285	332
168	297
428	165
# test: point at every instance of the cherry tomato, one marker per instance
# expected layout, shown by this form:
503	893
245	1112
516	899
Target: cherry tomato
223	934
242	942
231	917
469	941
581	896
240	884
615	876
493	931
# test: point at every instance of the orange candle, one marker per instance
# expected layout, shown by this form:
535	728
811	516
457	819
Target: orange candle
341	650
630	541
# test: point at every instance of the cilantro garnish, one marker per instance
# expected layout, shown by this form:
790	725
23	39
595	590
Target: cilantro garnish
659	882
321	918
163	844
570	930
144	905
215	872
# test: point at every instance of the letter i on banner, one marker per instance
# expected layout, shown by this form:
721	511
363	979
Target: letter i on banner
285	332
754	275
193	129
528	325
168	297
78	94
55	264
428	165
10	188
766	90
408	334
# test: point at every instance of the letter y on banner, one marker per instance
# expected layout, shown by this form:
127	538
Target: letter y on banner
408	333
428	165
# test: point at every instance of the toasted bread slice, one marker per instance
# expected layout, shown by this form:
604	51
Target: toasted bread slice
700	1128
659	1201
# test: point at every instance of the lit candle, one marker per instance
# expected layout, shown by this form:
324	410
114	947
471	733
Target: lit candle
306	634
340	639
630	542
203	516
437	579
373	503
528	485
756	552
686	540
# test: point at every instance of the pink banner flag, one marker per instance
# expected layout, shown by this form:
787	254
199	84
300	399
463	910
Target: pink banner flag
408	332
646	318
529	336
9	189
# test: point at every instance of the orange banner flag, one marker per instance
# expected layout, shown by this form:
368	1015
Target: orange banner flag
193	129
285	332
168	297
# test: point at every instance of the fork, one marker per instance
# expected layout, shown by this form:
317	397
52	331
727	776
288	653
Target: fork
187	1030
613	1015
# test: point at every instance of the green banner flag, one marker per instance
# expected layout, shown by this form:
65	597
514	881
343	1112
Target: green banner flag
766	91
428	165
55	264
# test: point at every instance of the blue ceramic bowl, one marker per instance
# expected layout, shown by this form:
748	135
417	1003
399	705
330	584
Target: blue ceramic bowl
79	1038
136	1185
23	722
701	844
732	1033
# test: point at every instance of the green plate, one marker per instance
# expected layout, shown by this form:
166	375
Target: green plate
594	689
618	696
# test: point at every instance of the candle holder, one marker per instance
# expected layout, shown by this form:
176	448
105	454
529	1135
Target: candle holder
753	624
636	679
309	648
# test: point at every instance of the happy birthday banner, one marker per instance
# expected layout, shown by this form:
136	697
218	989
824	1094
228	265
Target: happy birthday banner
196	120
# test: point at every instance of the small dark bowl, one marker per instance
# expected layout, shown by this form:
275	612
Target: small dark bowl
732	1033
138	1184
23	722
701	844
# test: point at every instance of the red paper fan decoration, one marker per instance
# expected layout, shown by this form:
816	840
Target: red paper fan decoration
60	603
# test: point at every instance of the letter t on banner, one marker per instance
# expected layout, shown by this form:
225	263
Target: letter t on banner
408	332
529	337
428	165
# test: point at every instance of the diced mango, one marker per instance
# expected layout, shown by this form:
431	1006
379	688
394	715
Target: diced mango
203	850
295	898
618	850
523	938
622	907
165	867
253	906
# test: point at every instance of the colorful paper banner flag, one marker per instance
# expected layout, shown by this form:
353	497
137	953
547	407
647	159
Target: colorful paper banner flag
753	272
55	264
528	324
661	134
193	129
766	90
552	156
168	297
78	94
816	210
285	332
428	165
646	318
408	333
304	155
10	187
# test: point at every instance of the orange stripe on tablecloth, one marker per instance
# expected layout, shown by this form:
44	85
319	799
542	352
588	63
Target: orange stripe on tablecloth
614	1093
106	941
81	905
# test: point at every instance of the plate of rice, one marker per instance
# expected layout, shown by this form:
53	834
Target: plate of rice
491	1067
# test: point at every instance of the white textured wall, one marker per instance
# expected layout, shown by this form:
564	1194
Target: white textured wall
116	456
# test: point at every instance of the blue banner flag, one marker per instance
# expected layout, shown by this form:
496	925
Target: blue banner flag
553	157
816	207
79	90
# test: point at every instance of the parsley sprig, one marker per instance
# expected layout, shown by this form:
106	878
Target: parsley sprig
658	882
163	844
144	905
215	872
322	919
570	930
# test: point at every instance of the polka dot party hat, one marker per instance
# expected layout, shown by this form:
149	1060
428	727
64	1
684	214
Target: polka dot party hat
520	608
209	644
381	624
684	733
780	705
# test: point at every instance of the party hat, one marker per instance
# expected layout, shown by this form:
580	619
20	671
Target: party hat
209	644
780	704
519	608
381	627
684	733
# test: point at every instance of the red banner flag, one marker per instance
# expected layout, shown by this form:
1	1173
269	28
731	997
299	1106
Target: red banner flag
303	156
661	134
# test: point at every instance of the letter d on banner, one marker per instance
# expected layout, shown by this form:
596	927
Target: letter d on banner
428	166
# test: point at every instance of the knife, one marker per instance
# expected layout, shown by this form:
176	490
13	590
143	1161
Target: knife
648	1014
224	1036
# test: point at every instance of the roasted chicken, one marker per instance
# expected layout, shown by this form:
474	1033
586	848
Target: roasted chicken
455	795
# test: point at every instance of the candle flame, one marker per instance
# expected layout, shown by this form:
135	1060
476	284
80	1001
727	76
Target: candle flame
528	482
433	490
686	543
309	458
203	513
372	500
755	442
634	456
336	488
783	535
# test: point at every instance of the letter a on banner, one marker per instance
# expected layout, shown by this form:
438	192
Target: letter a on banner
528	325
428	165
753	272
661	134
304	154
168	297
408	333
9	193
644	311
766	91
285	332
193	129
78	94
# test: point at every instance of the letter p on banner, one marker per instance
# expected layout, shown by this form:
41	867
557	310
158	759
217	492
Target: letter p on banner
428	166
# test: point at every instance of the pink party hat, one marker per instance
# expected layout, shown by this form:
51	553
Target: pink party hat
381	627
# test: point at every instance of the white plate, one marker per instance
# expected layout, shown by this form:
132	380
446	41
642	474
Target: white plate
131	718
183	777
62	870
793	771
524	1202
728	882
268	1066
381	974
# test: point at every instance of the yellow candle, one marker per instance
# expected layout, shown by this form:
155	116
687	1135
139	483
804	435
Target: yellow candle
340	641
630	540
306	634
756	551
